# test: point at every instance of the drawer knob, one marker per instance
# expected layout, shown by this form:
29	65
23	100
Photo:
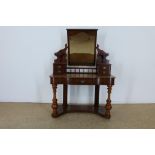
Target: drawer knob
82	81
59	67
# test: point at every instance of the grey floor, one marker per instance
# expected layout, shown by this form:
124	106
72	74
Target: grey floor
38	116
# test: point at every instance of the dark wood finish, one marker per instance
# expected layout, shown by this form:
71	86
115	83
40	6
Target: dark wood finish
108	106
65	90
60	63
98	75
61	56
101	56
54	104
97	91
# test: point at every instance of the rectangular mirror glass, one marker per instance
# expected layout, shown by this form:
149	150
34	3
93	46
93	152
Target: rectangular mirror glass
81	47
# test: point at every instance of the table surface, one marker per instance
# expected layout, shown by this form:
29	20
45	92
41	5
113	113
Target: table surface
81	76
82	79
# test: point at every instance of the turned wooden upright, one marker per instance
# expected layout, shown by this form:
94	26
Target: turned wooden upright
99	74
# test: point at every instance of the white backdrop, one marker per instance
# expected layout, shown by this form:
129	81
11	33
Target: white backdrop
27	54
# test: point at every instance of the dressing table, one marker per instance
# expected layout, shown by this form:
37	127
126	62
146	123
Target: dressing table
81	62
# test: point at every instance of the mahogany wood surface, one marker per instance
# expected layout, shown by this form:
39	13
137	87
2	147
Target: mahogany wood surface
75	80
97	75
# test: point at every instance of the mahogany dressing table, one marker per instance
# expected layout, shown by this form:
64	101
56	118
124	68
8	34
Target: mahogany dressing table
81	62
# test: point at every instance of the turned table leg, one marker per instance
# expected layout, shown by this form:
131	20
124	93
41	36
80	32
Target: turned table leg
65	88
108	106
54	104
96	102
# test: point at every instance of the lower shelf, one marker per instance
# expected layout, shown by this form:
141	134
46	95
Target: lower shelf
100	110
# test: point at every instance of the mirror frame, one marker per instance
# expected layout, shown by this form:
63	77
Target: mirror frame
69	32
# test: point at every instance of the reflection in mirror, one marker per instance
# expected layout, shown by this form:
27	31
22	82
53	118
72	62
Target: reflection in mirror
82	46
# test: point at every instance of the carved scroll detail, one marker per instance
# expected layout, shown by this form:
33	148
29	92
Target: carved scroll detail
101	56
61	55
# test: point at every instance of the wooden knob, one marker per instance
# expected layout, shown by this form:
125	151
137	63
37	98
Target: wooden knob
82	81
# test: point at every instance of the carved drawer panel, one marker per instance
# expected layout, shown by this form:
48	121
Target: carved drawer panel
60	80
59	69
107	81
104	69
105	72
82	81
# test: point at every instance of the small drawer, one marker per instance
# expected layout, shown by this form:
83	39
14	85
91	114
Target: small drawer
81	81
105	72
57	72
104	69
59	66
105	81
59	69
60	80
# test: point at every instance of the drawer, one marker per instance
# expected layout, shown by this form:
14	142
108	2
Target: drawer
107	81
104	69
59	69
82	81
105	72
60	80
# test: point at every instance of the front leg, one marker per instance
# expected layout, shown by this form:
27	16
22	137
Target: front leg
65	88
97	92
54	104
108	106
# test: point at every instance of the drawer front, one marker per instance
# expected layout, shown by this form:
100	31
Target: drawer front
105	72
104	69
82	81
59	80
107	81
59	69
